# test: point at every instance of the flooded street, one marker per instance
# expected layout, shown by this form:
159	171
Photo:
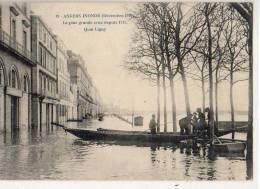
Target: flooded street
53	154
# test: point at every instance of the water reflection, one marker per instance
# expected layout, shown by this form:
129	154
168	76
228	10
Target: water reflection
51	154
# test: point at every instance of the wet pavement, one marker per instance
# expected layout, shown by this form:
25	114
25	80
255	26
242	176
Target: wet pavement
53	154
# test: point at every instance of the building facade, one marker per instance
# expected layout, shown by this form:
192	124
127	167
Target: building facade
40	80
44	74
65	90
73	96
15	66
80	78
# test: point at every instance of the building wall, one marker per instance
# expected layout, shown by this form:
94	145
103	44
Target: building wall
63	83
23	69
44	52
7	15
14	17
2	109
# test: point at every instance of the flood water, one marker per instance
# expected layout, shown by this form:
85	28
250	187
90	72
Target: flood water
53	154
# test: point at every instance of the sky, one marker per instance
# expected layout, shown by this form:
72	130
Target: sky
104	53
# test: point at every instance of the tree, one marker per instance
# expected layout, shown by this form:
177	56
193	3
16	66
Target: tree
246	12
236	56
198	71
207	11
186	31
159	11
147	55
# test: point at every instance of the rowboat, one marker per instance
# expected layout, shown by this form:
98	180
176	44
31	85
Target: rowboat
105	134
137	136
229	145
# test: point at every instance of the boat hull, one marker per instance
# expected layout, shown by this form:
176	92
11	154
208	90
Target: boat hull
127	136
234	147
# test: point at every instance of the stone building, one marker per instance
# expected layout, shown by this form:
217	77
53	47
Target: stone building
44	74
97	103
15	66
73	101
80	77
65	90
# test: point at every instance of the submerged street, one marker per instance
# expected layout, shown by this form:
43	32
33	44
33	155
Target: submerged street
53	154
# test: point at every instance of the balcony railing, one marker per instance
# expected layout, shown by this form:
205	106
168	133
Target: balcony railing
9	41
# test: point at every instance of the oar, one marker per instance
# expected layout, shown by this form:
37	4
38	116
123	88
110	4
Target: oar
59	125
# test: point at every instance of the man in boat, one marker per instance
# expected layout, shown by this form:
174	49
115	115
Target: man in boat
194	123
185	125
152	125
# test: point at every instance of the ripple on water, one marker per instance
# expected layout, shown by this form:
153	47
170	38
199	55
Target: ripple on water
55	155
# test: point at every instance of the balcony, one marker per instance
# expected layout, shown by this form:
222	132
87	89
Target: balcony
10	43
48	94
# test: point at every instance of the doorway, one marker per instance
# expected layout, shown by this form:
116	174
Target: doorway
47	115
14	113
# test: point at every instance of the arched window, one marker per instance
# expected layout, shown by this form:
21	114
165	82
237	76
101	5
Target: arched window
1	75
14	78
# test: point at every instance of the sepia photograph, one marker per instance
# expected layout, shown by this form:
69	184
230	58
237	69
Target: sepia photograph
127	91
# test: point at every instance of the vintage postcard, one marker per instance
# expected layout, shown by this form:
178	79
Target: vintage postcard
128	91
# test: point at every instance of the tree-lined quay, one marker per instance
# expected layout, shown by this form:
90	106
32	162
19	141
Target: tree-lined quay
207	42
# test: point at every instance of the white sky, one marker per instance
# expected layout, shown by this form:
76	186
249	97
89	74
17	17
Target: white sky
104	53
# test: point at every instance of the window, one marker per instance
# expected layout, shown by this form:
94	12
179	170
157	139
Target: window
54	66
40	31
51	44
40	83
44	58
44	85
13	79
1	75
48	85
25	84
25	40
41	55
13	29
45	37
47	61
51	86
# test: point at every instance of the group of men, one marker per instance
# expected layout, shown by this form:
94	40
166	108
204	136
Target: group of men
196	123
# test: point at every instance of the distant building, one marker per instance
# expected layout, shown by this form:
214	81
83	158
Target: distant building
44	76
80	77
73	101
15	66
96	105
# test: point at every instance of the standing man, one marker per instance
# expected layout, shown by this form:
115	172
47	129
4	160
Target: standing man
185	125
152	125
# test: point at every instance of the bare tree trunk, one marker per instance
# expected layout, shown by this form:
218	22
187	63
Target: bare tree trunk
185	87
211	114
232	104
203	94
249	155
158	102
174	119
164	98
248	16
216	98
